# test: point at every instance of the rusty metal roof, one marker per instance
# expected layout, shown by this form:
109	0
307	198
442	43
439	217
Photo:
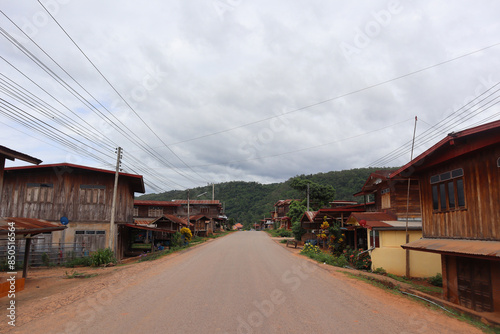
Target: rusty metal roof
475	248
156	203
28	225
143	221
196	201
149	228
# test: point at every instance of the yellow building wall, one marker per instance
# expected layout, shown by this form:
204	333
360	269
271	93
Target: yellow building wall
392	257
69	233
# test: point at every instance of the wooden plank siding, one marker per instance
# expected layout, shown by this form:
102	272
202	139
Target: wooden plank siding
62	195
480	218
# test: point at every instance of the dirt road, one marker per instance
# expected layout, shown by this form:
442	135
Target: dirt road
242	283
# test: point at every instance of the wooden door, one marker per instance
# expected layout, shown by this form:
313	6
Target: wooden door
474	284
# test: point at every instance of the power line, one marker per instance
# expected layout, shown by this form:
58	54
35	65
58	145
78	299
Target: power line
118	93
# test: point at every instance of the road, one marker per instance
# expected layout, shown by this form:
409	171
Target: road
242	283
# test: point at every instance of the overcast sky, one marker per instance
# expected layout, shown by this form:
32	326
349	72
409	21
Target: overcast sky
222	90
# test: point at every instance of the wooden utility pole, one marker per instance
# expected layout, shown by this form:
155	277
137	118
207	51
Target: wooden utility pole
213	191
308	197
408	203
112	228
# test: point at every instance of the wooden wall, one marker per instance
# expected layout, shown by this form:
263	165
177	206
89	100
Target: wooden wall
480	219
65	197
398	195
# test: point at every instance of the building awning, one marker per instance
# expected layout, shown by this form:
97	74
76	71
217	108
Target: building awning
25	226
472	248
149	228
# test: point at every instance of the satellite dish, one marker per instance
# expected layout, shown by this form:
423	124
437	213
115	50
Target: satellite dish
64	220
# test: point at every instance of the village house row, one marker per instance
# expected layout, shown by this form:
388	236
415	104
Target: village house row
449	197
40	198
453	217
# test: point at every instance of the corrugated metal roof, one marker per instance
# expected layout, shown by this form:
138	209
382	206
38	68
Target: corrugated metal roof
195	201
29	225
418	162
481	248
150	228
143	221
156	203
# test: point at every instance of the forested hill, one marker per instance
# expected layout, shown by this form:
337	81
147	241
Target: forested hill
248	202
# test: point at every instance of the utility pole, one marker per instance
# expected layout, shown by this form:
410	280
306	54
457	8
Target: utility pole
308	197
408	204
188	215
112	228
213	191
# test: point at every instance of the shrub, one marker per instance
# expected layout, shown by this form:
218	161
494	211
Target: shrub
176	240
358	260
436	280
103	257
297	230
285	233
46	259
78	261
380	271
187	234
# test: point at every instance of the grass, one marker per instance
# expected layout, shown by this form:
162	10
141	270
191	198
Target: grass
395	289
76	274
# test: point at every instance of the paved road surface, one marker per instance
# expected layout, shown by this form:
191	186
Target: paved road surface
243	283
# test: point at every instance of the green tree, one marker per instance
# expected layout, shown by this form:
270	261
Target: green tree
296	211
230	223
319	194
297	230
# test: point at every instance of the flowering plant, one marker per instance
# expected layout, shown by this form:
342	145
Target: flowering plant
310	249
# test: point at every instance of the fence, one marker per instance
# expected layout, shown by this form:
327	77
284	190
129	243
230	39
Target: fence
44	254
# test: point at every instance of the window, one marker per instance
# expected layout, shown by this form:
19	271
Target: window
386	198
448	190
136	211
375	242
155	211
92	194
40	192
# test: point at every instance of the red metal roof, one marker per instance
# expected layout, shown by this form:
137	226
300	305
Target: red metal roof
155	203
193	201
148	228
143	221
139	183
198	217
372	219
478	248
310	215
484	135
29	225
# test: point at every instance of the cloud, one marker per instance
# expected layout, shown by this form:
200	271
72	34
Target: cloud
257	91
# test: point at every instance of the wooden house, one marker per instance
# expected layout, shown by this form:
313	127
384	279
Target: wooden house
79	195
205	216
382	229
460	202
280	213
337	214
